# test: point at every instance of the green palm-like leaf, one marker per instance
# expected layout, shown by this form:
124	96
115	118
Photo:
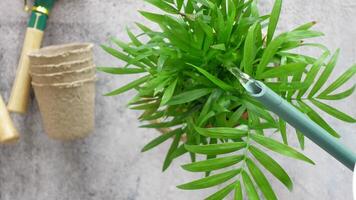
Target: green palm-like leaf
221	194
283	129
129	86
169	157
160	139
317	118
189	96
279	147
301	139
270	51
285	70
261	180
163	5
338	96
213	164
215	80
249	187
309	79
333	112
116	70
272	166
169	92
222	132
340	81
305	26
250	50
216	149
274	19
210	181
238	191
152	16
121	56
325	75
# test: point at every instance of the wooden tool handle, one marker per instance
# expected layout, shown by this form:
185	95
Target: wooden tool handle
19	98
8	132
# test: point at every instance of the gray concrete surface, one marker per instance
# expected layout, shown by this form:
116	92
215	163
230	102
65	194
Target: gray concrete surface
108	165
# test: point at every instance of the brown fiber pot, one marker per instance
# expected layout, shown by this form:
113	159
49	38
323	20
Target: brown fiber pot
58	54
67	109
64	77
62	67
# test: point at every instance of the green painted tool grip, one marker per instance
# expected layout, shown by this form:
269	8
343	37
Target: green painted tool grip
40	12
301	122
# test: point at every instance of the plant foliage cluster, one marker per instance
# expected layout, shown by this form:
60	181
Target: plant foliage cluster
187	89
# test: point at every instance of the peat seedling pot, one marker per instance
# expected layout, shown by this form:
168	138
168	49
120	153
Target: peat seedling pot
58	54
64	77
62	67
67	110
64	84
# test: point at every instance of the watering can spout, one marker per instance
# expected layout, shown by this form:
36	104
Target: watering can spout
296	118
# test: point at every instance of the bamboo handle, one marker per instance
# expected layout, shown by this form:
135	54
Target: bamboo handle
8	132
19	98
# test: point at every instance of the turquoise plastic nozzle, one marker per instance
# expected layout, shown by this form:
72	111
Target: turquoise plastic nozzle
296	118
301	122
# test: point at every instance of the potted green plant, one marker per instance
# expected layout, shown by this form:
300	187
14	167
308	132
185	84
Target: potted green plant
188	93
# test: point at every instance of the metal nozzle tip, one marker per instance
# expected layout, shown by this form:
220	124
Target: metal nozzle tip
243	77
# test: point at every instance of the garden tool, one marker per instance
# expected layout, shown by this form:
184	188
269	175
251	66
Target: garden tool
18	101
8	132
295	118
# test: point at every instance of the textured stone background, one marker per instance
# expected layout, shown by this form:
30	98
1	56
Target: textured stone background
108	164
